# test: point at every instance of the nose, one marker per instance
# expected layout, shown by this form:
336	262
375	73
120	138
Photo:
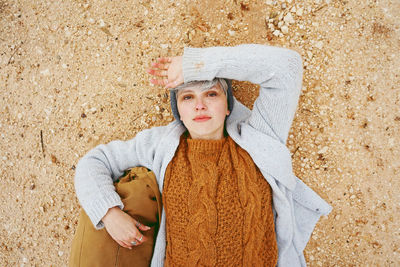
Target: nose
200	104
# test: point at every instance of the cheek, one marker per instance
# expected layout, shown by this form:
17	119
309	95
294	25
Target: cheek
183	111
222	109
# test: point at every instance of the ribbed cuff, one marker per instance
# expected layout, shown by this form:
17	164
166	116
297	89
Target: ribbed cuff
99	208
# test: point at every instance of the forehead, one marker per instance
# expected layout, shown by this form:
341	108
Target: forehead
198	89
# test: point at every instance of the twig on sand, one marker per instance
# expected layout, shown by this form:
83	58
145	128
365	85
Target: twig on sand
297	148
41	141
15	51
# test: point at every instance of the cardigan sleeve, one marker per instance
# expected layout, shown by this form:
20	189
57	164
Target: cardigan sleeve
277	70
101	166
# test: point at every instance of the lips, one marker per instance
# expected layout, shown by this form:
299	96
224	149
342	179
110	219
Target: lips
201	118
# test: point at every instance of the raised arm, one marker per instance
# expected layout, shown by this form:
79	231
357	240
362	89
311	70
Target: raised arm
277	70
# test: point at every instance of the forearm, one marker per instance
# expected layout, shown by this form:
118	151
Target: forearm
259	64
95	174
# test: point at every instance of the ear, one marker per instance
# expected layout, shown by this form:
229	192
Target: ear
228	112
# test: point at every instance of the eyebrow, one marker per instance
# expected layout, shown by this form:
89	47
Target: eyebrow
182	91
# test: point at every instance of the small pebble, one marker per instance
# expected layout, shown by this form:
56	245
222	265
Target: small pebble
299	12
285	29
289	18
323	150
101	23
45	72
319	44
276	33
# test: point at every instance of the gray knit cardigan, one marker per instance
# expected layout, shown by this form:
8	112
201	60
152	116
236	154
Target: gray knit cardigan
262	132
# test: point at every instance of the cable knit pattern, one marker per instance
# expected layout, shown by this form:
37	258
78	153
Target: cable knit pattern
218	207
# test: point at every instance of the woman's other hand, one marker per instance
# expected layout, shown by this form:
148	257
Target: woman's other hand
168	71
123	228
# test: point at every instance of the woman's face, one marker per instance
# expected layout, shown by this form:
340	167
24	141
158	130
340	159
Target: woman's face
203	112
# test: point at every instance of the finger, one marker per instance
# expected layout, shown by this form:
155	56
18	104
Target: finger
155	72
125	244
164	60
151	71
172	84
159	82
141	226
140	239
144	227
160	65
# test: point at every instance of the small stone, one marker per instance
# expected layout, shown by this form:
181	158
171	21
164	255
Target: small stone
219	26
319	44
91	21
45	72
164	46
231	32
60	253
289	18
19	116
323	150
32	186
299	12
64	66
285	29
276	33
101	23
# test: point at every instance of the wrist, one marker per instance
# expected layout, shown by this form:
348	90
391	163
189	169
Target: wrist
110	213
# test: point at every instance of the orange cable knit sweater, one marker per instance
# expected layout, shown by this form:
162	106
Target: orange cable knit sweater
218	207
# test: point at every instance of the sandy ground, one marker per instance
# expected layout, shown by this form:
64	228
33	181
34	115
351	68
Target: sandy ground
72	75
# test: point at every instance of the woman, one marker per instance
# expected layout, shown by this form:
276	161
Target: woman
229	193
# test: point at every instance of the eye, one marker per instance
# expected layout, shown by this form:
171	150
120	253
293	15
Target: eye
212	94
186	97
